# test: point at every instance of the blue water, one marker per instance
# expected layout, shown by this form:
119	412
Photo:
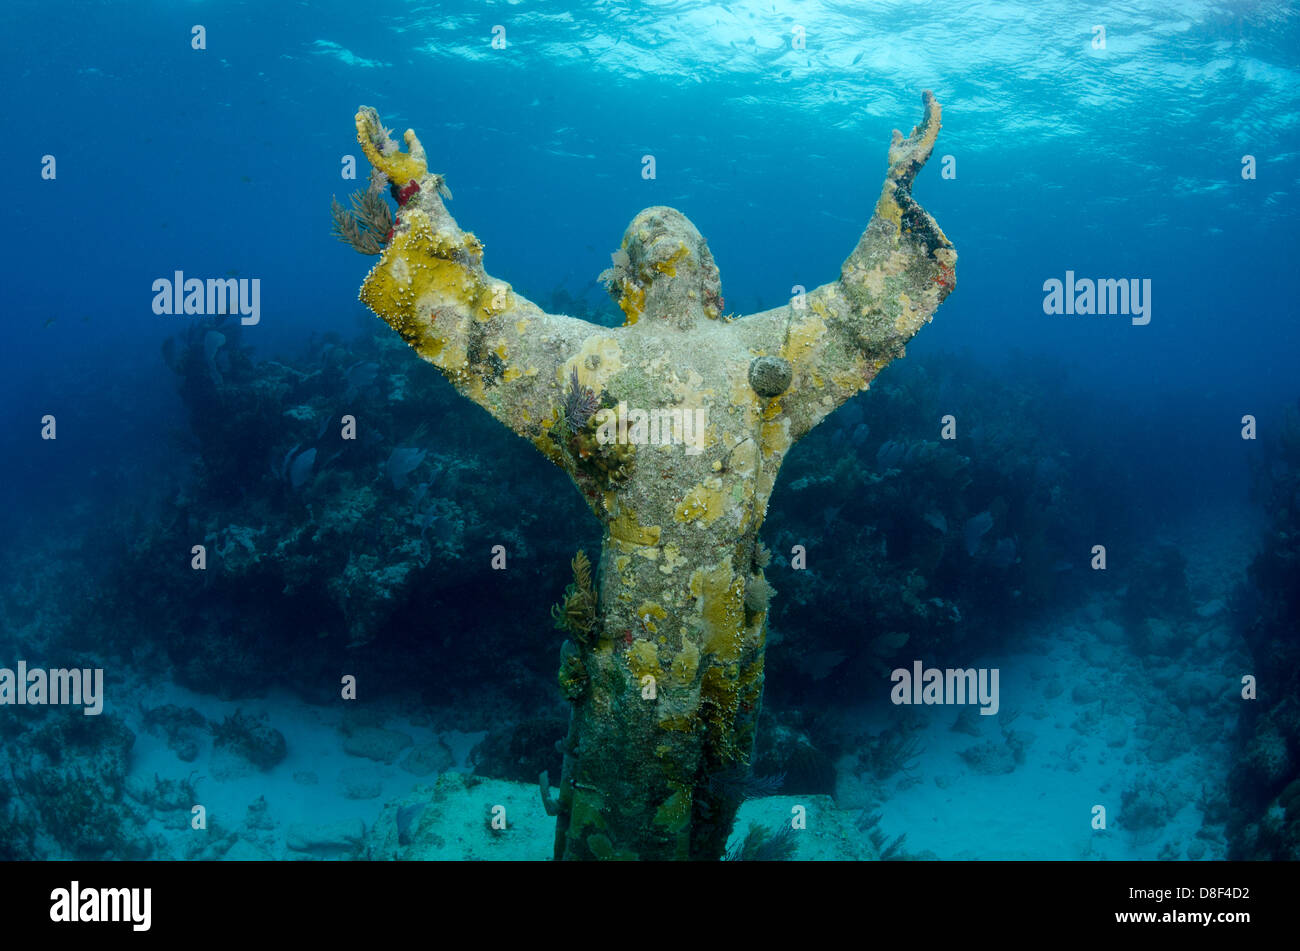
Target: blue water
1122	162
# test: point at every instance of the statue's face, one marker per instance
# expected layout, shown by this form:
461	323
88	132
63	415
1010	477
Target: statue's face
665	272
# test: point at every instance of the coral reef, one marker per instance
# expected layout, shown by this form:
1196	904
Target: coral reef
1147	805
522	751
181	726
785	751
669	678
250	737
1264	793
899	501
71	783
336	541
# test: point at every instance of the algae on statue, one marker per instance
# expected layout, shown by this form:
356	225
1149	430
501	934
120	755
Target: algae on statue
664	661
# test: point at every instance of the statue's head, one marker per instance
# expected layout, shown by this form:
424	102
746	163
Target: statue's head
664	272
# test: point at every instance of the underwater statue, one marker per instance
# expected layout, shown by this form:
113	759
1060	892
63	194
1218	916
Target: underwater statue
673	426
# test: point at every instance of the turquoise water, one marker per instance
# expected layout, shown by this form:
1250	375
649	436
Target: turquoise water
1144	142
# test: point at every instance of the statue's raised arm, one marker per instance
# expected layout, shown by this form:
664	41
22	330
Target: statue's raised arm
674	427
839	336
497	348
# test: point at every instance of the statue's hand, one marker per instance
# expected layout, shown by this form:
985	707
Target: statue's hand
907	155
839	336
903	266
384	152
495	346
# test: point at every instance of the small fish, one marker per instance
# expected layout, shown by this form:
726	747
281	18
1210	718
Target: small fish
49	322
786	74
857	59
244	178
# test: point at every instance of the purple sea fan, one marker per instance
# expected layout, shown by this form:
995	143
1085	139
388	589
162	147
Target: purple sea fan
976	529
1004	553
890	454
401	463
300	468
580	403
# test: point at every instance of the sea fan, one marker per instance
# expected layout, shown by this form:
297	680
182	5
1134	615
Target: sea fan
891	752
367	226
887	851
976	528
890	454
580	404
758	593
936	520
576	613
760	845
401	463
738	783
300	468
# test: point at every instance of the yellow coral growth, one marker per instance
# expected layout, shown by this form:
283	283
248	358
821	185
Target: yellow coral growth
776	437
887	207
749	684
632	302
719	693
702	504
669	266
649	612
599	359
422	272
686	664
400	167
629	532
673	559
678	723
720	595
803	337
643	659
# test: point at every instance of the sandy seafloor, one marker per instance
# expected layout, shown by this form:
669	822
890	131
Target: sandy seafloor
1095	723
